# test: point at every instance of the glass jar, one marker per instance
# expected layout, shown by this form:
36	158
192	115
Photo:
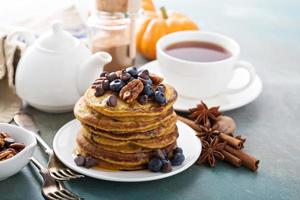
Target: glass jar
110	32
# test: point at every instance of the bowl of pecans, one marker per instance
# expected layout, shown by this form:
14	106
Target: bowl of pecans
16	148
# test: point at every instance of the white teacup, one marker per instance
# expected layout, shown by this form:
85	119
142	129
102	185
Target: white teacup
201	79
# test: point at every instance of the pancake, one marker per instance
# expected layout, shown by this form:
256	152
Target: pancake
84	114
153	143
161	130
127	131
129	159
124	109
101	164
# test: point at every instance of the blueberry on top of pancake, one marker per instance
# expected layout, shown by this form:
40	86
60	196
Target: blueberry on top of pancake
139	93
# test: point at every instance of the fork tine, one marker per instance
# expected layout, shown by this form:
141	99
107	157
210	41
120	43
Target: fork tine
63	189
47	196
63	173
59	176
74	173
71	194
70	174
64	196
66	174
55	196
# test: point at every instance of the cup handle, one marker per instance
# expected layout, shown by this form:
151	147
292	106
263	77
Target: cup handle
251	70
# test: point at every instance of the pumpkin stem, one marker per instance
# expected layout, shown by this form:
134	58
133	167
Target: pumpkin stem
164	12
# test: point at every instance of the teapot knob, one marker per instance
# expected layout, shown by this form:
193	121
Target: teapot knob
57	26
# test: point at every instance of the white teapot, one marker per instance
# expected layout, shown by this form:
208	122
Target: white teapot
56	69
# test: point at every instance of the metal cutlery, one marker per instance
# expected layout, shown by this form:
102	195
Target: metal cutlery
51	188
56	168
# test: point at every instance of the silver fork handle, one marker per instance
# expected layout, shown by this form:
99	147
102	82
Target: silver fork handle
44	172
36	163
44	145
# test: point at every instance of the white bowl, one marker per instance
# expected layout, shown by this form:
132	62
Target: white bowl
13	165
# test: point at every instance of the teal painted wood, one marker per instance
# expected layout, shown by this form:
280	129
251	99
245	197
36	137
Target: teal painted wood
269	35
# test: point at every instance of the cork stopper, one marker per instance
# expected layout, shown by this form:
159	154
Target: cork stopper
112	5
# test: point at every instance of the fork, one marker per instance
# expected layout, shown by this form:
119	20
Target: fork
53	189
56	168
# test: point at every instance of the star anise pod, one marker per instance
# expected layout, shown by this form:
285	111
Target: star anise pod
207	132
203	115
211	152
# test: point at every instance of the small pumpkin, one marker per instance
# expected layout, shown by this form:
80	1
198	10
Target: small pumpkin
156	25
148	5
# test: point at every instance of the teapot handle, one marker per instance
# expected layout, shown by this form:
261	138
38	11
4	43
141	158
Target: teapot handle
24	36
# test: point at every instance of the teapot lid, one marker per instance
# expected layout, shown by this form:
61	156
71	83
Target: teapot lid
57	39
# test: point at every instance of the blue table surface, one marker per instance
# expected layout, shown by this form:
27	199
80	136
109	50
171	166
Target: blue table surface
269	35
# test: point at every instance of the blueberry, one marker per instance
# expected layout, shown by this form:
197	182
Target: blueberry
177	150
155	165
161	88
125	76
132	71
177	159
148	90
147	81
160	98
112	76
104	74
144	74
166	166
116	85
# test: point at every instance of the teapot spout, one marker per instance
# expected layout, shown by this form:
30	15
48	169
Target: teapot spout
91	69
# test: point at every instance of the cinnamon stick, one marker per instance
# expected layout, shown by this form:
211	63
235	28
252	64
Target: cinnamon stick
234	142
240	138
232	159
189	122
248	161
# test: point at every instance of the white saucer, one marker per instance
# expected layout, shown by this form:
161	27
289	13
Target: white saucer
64	145
225	101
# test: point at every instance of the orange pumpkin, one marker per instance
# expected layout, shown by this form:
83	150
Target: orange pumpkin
148	5
156	25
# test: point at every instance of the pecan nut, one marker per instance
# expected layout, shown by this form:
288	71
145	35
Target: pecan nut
131	91
17	146
2	142
3	135
4	154
156	79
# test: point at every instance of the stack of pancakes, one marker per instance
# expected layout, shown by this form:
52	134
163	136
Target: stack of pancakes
126	136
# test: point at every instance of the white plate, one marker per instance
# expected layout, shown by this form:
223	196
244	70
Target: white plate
64	145
225	101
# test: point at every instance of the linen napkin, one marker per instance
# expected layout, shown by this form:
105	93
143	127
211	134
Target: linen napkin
10	103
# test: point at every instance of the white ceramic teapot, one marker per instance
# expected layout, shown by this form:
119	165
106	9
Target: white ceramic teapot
56	69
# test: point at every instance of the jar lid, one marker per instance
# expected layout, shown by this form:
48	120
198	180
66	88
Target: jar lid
57	39
112	5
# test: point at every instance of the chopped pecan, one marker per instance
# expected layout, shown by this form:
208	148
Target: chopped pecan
131	91
156	79
17	146
2	143
3	135
9	156
4	154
